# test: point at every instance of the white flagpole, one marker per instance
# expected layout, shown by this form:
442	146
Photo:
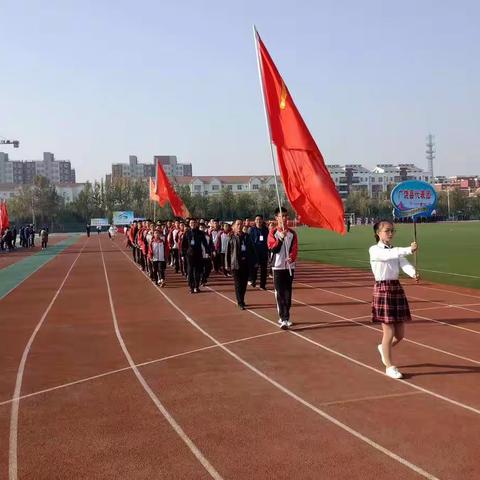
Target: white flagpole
269	130
267	121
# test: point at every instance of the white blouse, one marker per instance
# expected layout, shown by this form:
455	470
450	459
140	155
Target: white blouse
386	261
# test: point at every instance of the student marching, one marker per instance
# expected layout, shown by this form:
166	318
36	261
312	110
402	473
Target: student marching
390	306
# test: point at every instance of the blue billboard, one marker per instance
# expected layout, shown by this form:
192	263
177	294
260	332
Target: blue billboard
413	198
123	218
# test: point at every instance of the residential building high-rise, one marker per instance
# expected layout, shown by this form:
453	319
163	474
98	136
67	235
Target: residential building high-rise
24	171
134	169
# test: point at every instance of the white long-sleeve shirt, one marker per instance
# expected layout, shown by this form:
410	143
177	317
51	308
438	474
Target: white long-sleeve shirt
386	261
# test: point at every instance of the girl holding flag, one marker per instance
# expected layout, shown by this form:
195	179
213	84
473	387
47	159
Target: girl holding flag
283	245
390	306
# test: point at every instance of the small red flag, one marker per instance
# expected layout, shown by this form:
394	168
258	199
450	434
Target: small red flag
166	193
306	179
4	219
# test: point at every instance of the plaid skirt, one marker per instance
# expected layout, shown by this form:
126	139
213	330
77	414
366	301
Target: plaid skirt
389	303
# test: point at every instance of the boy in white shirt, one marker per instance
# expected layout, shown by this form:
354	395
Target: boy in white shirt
389	305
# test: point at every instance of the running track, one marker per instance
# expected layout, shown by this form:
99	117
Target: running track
9	258
103	375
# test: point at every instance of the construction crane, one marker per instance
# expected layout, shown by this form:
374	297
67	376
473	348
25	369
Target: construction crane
15	143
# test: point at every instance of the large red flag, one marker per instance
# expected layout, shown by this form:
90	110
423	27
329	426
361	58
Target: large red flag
306	180
166	193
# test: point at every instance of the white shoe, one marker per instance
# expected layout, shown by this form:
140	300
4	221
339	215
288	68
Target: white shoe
284	325
380	350
393	372
250	283
159	282
289	323
280	321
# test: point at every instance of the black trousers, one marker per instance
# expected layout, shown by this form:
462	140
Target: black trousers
176	259
217	261
262	266
207	269
240	278
143	262
194	268
282	280
158	270
134	253
44	243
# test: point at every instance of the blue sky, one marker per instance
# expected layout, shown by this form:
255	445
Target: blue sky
96	81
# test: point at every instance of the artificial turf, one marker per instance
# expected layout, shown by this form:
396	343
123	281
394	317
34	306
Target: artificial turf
448	252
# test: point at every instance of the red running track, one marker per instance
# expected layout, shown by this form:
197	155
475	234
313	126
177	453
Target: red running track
122	379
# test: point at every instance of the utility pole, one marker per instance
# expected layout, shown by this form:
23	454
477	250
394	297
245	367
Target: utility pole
448	202
430	153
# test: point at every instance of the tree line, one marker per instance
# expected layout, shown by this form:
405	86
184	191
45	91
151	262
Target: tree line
40	203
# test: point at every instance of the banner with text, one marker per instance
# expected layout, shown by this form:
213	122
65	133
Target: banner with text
413	198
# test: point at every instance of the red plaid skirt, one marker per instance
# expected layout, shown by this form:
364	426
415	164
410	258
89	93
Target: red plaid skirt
389	303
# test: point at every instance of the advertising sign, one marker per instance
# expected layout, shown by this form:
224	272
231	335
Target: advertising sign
122	218
413	198
99	222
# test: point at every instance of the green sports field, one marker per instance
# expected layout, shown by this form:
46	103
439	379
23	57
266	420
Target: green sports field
448	252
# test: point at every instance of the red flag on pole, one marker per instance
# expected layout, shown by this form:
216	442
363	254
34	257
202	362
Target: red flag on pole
306	180
166	193
4	219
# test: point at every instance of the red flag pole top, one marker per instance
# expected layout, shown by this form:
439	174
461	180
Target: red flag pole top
306	179
166	193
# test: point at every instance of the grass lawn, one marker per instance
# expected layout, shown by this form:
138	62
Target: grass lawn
448	252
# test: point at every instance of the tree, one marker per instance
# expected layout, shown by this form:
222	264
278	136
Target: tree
266	201
84	204
46	201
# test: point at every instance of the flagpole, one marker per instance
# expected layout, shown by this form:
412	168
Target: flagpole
267	121
270	139
415	240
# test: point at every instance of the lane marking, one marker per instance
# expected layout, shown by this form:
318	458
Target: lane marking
173	423
477	332
373	397
357	362
420	270
293	395
13	438
143	364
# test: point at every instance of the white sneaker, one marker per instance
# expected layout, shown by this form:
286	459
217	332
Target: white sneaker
393	372
289	323
280	321
250	283
284	325
159	282
380	350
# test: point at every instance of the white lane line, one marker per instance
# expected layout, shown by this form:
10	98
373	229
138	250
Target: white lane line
420	285
299	399
357	362
13	438
371	327
173	423
143	364
423	270
477	332
450	291
291	394
373	397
